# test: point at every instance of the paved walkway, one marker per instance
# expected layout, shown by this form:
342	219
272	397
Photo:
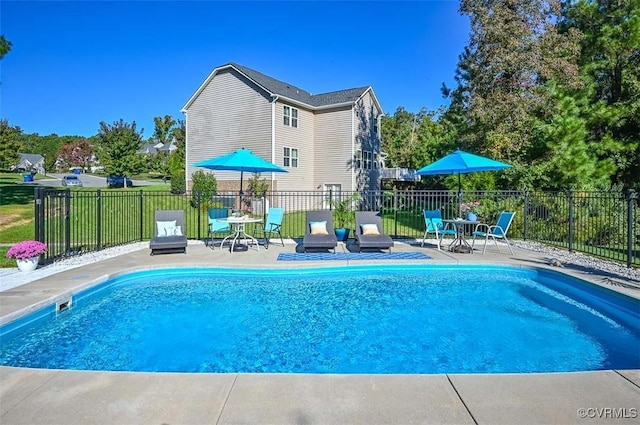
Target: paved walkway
31	396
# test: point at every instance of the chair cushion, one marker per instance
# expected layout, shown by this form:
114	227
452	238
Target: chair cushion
318	227
320	241
166	228
375	241
370	229
168	242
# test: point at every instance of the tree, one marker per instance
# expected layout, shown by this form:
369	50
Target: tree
117	147
514	49
610	63
9	144
567	157
177	162
163	128
79	154
411	140
5	46
256	188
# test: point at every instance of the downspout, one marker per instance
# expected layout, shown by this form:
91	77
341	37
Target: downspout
353	146
186	151
379	137
273	133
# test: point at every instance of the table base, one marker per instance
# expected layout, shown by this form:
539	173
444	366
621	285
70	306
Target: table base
238	237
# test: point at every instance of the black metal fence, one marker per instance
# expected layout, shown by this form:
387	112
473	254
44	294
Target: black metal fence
602	224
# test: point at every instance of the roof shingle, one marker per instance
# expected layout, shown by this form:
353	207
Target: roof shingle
292	92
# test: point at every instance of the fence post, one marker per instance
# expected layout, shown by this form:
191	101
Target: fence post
630	219
199	218
395	213
526	215
99	220
67	222
571	219
264	208
38	196
141	218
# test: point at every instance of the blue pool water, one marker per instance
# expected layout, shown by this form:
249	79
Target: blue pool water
375	319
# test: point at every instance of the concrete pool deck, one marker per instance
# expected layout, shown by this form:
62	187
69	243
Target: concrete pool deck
33	396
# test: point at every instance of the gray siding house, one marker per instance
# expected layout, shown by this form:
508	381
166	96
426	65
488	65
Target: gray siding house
326	141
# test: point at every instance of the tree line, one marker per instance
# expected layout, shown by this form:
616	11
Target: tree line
115	148
551	87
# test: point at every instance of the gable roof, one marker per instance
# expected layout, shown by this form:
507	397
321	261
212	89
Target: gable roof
30	158
148	148
289	91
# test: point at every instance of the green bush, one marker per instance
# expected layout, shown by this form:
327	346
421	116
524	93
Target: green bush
178	183
205	187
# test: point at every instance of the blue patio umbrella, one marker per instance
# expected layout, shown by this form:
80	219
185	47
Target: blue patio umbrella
241	160
460	162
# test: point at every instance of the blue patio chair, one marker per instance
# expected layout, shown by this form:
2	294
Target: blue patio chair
495	232
215	225
272	225
434	224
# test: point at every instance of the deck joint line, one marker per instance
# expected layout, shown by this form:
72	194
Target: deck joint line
461	400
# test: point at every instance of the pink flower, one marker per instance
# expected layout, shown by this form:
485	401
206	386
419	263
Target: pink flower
469	206
26	249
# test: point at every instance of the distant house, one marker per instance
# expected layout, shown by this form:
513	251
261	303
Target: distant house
153	148
148	149
326	141
30	162
170	146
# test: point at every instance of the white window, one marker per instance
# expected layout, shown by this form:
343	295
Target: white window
290	157
290	116
375	125
358	163
368	159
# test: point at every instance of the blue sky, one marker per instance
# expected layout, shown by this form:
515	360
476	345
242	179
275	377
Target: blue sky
75	64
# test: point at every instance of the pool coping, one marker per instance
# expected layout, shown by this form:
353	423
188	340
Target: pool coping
32	396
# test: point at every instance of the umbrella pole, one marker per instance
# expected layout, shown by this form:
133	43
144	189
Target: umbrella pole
459	197
241	173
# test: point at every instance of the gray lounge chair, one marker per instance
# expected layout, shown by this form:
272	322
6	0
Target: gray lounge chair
169	232
320	241
371	221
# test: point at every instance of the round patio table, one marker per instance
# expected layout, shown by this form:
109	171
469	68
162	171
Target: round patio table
238	232
459	243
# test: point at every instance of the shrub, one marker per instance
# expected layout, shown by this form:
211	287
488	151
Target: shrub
177	183
205	187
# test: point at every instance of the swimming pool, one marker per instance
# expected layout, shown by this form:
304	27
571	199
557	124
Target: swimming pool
367	319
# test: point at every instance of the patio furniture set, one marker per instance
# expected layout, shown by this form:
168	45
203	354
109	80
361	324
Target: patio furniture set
319	234
457	228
